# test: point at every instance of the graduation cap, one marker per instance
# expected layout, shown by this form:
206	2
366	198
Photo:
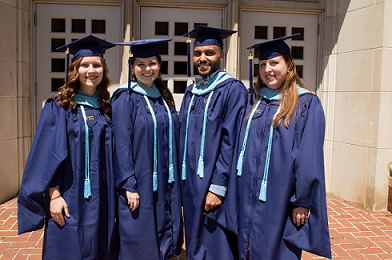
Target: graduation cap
141	49
268	50
86	46
204	36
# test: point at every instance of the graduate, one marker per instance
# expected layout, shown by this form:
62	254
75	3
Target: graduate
68	184
146	126
278	183
211	114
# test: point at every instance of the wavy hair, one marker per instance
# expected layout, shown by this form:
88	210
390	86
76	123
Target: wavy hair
161	86
288	90
66	94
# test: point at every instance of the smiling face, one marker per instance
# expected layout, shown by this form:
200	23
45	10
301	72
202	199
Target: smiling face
273	72
90	74
207	59
146	70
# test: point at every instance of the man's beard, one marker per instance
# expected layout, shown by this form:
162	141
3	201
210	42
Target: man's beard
213	67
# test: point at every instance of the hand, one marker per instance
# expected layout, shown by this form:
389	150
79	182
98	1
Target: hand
56	207
300	215
212	201
133	199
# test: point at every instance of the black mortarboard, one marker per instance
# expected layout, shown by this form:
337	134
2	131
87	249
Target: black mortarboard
86	46
142	49
268	50
204	36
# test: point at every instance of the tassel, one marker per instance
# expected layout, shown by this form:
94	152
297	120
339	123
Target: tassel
239	164
250	58
200	168
87	188
171	173
154	181
67	69
183	175
130	55
188	42
263	191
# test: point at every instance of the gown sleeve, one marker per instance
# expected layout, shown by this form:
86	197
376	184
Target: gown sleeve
310	181
233	115
48	151
123	130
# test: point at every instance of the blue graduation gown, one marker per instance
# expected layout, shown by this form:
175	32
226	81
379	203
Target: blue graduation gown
205	233
154	229
57	159
295	179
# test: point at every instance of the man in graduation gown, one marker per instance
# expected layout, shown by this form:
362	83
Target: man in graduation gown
210	117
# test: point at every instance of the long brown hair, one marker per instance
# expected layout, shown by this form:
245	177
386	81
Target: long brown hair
66	94
161	86
288	90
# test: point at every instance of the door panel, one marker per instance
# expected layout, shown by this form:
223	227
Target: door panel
61	24
260	26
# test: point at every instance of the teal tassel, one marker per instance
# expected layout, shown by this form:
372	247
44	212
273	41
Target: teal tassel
186	140
171	173
239	164
263	191
155	181
87	188
183	175
200	168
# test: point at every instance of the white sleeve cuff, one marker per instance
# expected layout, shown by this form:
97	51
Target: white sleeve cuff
219	190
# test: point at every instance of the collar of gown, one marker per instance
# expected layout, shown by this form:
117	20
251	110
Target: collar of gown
81	98
144	90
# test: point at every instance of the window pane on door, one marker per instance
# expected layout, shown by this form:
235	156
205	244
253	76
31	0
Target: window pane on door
58	25
98	26
261	32
197	24
180	48
279	31
300	69
55	43
180	28
163	48
180	67
297	52
255	70
164	66
161	28
301	31
58	65
57	83
78	25
180	86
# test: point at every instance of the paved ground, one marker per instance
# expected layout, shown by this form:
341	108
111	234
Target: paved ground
356	233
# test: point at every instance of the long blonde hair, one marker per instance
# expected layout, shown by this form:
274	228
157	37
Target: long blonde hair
288	90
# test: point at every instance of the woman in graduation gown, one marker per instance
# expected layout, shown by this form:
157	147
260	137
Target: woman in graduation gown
145	124
68	184
279	191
